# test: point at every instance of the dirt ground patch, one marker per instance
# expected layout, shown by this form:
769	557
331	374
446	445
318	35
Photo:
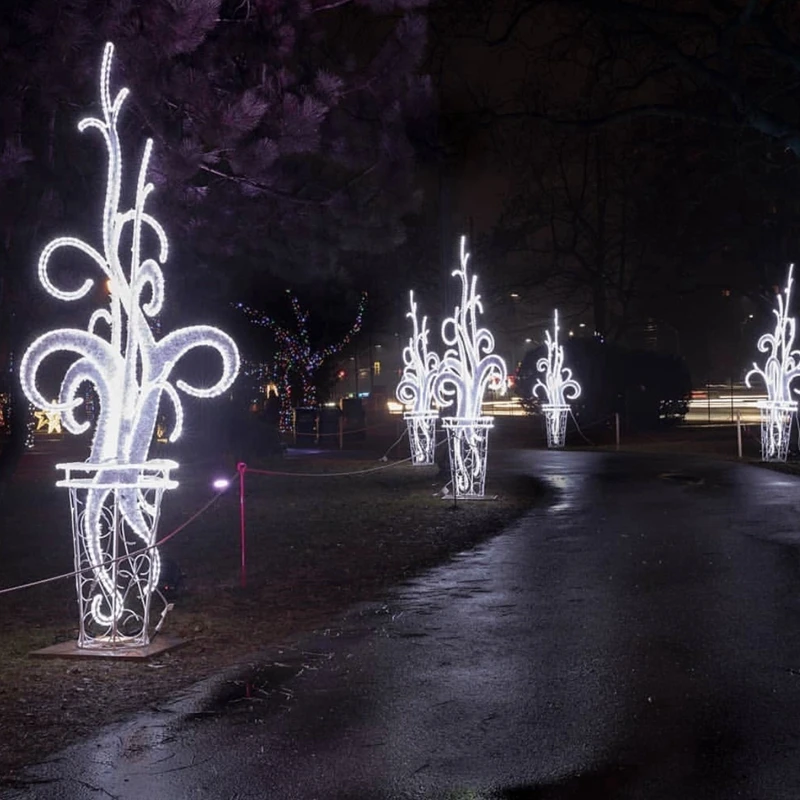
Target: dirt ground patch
316	545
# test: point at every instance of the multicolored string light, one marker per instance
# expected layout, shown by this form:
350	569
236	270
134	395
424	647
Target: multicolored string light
296	356
10	408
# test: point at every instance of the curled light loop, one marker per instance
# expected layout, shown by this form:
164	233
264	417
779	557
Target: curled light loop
44	263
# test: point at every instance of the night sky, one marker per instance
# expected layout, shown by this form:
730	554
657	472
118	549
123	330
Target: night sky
632	163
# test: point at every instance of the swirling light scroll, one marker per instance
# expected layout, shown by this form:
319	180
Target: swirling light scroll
119	356
415	390
559	386
467	369
781	367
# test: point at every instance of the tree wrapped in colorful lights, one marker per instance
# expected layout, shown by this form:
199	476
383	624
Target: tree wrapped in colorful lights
557	385
115	496
295	356
467	369
415	390
781	367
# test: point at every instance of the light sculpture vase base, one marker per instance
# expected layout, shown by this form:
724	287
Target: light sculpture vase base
555	422
776	429
115	510
157	646
422	436
468	443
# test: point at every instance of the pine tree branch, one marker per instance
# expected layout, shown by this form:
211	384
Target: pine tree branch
331	6
291	198
242	181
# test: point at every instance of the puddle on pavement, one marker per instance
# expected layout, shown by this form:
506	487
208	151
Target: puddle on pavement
264	686
616	477
681	478
603	783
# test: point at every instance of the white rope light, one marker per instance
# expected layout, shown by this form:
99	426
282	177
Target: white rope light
467	369
120	491
781	367
559	386
415	390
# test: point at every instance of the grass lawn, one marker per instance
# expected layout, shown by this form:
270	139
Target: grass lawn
315	546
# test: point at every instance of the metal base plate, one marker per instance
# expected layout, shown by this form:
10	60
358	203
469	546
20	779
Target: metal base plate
161	644
471	498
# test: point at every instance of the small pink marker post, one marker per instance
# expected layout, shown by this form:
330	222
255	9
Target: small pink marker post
241	468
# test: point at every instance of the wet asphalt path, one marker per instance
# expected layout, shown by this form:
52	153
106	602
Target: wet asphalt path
636	637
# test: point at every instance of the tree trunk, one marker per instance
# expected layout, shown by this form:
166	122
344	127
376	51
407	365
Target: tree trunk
14	446
599	307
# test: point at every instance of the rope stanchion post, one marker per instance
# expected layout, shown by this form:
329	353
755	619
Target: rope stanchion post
241	468
739	432
616	425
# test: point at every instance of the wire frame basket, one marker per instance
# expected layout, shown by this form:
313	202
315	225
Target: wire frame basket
468	443
115	510
776	428
555	423
422	436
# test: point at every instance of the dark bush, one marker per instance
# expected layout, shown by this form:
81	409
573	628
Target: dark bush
649	390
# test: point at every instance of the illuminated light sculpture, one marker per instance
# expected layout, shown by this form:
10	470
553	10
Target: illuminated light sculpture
415	390
781	367
296	356
467	368
115	496
48	420
558	385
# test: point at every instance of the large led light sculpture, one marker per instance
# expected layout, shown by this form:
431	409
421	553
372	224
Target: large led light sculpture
415	390
559	386
466	370
116	495
781	367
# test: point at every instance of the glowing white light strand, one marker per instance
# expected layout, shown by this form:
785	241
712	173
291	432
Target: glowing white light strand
415	390
559	386
117	501
467	369
781	367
